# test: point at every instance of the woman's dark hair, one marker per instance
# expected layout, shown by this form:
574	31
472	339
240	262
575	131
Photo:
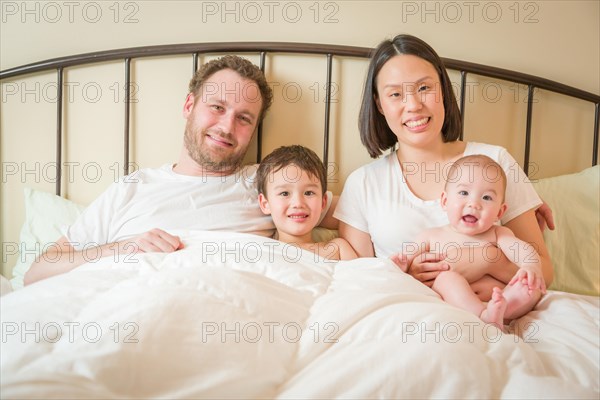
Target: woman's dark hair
375	133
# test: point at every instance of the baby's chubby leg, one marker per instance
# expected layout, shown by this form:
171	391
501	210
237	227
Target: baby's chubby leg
484	287
455	290
494	312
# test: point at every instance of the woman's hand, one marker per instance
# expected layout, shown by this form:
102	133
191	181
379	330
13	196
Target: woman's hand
425	267
544	217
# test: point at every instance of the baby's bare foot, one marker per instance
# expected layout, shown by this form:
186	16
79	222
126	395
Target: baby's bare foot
520	300
494	313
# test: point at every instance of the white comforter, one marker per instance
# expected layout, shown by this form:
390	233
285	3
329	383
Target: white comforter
238	316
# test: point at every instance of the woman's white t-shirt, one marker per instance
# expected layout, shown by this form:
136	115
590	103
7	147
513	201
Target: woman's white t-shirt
377	200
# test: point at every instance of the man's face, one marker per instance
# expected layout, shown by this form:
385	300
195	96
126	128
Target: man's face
221	120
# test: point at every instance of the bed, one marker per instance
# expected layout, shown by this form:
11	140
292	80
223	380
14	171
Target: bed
240	316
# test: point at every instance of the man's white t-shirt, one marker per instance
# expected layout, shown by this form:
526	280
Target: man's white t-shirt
161	198
377	200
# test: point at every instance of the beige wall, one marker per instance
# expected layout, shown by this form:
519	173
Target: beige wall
555	39
558	40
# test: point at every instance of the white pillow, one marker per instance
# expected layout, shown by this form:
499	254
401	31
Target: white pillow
46	216
574	246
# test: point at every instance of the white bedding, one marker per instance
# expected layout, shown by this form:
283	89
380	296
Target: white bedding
239	316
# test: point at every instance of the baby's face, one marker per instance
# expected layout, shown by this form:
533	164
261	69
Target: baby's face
294	199
474	199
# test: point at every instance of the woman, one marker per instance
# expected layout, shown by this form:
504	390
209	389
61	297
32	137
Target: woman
408	100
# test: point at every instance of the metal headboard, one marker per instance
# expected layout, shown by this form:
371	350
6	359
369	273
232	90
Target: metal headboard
262	48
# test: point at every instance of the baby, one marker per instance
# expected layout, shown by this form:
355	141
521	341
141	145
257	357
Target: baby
473	199
291	184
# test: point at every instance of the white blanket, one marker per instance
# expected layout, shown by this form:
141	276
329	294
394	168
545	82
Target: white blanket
239	316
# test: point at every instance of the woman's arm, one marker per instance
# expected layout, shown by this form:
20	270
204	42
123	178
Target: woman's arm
359	240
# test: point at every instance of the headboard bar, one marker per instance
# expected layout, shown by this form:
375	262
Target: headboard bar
596	129
518	77
194	63
263	55
463	86
187	48
532	82
127	111
528	128
59	112
280	47
327	111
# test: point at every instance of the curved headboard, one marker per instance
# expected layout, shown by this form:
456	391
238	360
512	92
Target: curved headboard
532	83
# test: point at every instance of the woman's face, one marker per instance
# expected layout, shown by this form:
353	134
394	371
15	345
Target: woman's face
410	98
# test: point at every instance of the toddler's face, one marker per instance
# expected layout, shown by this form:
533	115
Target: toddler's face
294	199
474	199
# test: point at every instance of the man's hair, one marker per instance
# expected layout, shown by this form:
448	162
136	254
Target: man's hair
492	170
300	156
244	68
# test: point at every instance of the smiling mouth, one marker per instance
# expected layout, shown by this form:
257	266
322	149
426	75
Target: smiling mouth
298	216
417	123
219	140
470	219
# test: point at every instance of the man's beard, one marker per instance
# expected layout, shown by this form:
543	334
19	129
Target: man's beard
210	161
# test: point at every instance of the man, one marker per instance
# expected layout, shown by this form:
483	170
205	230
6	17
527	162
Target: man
207	189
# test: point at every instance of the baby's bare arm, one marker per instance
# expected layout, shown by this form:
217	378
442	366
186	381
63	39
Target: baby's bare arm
473	257
516	250
523	255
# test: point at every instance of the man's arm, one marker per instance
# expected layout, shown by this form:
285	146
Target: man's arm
62	257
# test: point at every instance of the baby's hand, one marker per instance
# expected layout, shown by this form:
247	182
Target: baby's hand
532	275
